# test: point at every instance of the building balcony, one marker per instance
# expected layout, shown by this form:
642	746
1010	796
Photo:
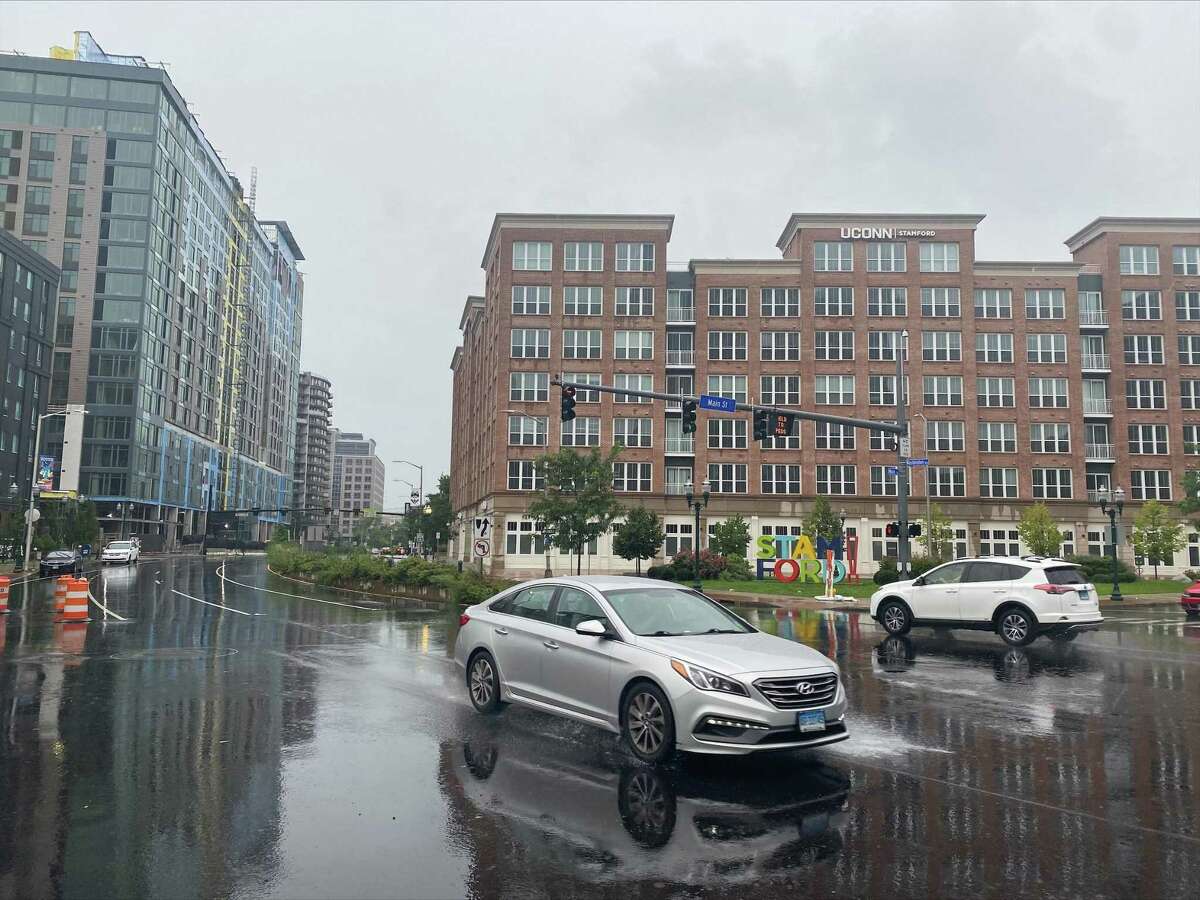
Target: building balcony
676	490
1096	362
674	406
681	358
681	315
1093	318
1094	498
684	445
1093	407
1099	453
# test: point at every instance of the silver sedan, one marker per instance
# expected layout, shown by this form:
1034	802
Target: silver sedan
658	663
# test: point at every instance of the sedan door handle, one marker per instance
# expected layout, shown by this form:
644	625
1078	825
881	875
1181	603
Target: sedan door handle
502	631
550	645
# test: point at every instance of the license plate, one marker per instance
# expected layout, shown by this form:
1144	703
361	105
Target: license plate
813	720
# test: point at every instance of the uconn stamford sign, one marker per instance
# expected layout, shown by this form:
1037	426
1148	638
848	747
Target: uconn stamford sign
870	233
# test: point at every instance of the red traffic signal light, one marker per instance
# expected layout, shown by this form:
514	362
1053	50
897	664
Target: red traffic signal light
892	529
568	403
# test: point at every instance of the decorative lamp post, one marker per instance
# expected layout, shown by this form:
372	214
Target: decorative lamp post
697	504
547	535
1111	505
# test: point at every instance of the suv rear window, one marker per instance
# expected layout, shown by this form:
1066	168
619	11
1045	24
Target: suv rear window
1066	575
996	571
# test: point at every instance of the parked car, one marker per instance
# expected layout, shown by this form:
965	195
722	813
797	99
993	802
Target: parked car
1018	598
60	562
120	552
1190	601
658	663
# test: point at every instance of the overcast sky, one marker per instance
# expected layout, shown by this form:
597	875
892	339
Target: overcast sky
389	135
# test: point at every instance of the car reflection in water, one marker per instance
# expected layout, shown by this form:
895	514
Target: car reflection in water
1013	664
605	818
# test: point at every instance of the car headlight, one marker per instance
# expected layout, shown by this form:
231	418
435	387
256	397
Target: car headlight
707	680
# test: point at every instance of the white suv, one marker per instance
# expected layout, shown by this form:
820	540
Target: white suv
1019	599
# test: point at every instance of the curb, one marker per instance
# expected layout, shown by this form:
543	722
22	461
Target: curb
313	584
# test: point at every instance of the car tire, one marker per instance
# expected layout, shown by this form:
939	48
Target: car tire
1016	626
647	724
483	683
895	618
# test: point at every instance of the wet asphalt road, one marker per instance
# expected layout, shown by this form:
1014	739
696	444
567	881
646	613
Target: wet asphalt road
228	742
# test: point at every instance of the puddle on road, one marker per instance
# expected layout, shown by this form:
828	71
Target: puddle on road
176	653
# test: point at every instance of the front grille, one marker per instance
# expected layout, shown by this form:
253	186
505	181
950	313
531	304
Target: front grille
783	693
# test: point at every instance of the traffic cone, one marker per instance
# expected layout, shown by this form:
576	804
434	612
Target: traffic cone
76	609
4	583
60	594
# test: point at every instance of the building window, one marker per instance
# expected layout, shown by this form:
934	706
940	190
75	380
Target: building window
582	431
727	478
779	346
1150	484
943	390
941	346
531	343
882	483
1145	393
886	257
635	301
780	390
998	484
1142	306
780	302
887	301
997	437
780	479
837	480
1189	349
1096	546
632	476
520	538
1052	484
726	302
633	345
833	256
677	538
528	387
1046	303
993	303
633	432
531	256
1191	439
941	302
579	344
944	437
583	257
1050	437
1046	348
834	390
1144	350
726	345
834	437
834	301
633	383
583	301
731	386
881	390
946	481
1189	393
1187	306
939	257
993	347
999	542
726	434
1185	260
583	395
881	345
1048	393
880	547
638	257
531	300
1148	440
524	475
995	392
1137	259
834	346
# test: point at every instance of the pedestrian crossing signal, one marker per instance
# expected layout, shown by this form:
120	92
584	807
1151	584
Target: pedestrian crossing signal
688	425
568	403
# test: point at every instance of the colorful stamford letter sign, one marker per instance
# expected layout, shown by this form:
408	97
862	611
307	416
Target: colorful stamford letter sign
795	557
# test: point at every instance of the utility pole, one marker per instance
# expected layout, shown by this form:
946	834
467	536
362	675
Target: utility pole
902	460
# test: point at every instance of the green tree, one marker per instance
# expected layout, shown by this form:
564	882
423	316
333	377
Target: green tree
937	534
440	518
730	538
1156	536
640	537
66	523
822	522
1190	504
1041	534
577	504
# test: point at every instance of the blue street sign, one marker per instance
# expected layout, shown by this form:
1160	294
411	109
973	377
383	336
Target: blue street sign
918	462
717	404
893	470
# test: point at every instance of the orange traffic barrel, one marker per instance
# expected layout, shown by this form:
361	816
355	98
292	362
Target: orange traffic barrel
60	593
76	609
70	638
4	583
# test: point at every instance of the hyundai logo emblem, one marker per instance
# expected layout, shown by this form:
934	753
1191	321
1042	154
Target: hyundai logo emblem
803	687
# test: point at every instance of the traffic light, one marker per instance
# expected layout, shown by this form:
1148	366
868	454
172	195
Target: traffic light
892	529
689	417
568	403
762	424
914	530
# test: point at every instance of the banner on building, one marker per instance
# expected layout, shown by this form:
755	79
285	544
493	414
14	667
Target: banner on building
45	479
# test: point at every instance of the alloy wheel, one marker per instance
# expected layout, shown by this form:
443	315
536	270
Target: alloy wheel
647	724
894	618
1015	628
482	680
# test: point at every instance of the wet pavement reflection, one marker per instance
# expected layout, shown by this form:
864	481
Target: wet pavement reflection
224	733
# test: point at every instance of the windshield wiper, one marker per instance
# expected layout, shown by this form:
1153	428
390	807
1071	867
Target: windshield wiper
723	631
665	634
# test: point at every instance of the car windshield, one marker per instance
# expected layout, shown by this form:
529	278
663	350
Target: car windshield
60	554
1066	575
119	545
665	611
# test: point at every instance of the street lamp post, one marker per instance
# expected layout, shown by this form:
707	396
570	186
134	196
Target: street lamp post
420	476
37	450
1111	505
697	504
547	535
842	532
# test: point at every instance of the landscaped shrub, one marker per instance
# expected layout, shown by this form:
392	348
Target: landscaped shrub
887	572
1100	568
919	565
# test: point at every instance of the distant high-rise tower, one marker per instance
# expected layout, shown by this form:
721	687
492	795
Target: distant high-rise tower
313	484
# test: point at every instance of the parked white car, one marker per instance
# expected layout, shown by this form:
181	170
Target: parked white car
126	552
1018	598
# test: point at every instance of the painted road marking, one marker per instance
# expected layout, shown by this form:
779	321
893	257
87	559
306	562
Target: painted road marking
217	605
107	611
221	575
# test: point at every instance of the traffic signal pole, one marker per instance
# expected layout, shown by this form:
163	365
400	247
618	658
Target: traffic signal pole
902	547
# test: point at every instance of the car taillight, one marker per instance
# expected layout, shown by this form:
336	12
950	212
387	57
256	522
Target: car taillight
463	620
1053	588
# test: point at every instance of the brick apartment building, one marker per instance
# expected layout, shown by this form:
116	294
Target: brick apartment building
1027	381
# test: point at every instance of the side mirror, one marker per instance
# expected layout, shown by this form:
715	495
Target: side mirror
918	581
592	628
